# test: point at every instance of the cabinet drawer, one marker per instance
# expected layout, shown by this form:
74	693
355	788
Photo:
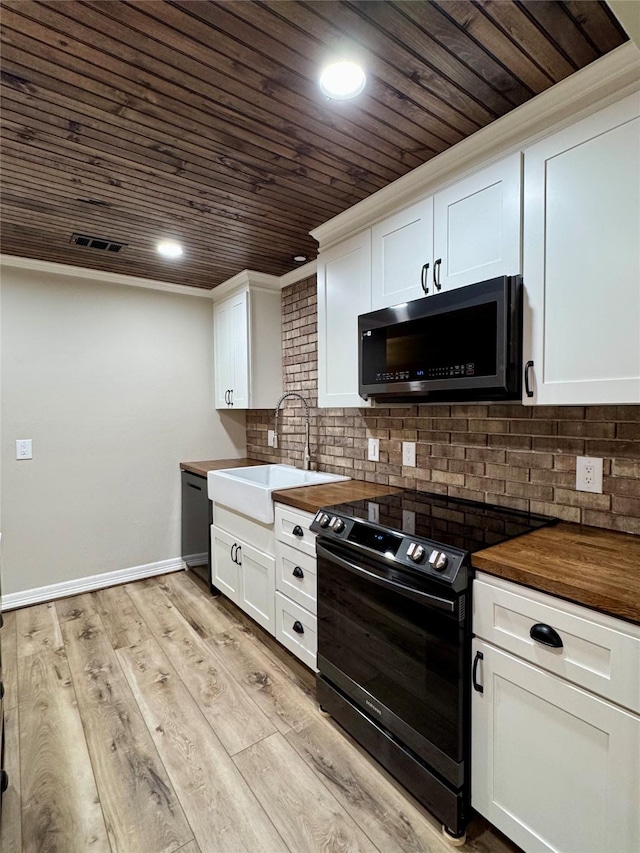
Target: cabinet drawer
303	643
598	652
290	564
290	520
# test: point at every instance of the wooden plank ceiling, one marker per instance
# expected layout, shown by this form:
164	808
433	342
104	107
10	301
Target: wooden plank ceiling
202	121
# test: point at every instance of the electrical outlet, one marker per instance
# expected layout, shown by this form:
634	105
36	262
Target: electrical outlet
374	450
589	474
24	448
373	512
409	453
271	435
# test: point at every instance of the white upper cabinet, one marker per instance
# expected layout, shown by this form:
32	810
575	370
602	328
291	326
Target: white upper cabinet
465	233
231	342
248	349
344	292
477	226
582	260
402	256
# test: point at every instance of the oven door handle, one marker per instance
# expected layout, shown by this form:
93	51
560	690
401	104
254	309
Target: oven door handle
409	592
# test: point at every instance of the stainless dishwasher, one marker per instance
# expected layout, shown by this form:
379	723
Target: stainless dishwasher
197	518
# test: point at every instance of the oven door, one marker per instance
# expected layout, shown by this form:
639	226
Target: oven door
394	645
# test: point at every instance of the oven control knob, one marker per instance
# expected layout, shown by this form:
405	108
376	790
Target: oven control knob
337	524
323	519
415	552
439	560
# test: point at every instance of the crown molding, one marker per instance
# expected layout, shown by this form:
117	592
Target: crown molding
100	275
299	274
242	280
606	80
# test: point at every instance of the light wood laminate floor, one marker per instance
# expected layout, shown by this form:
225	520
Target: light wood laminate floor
151	717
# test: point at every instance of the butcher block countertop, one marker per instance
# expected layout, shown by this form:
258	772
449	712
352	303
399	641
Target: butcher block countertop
587	565
203	468
313	498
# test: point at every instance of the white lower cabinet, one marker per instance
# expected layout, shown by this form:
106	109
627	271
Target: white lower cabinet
225	572
245	575
554	766
258	586
297	629
249	575
296	589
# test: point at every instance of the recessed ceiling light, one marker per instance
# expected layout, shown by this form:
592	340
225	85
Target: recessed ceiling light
169	249
299	259
342	80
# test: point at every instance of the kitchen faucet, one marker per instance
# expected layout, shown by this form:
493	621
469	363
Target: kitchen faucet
306	464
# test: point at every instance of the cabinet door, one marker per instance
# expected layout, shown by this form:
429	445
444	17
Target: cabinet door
344	292
401	256
224	570
554	767
477	226
257	586
222	343
240	344
581	260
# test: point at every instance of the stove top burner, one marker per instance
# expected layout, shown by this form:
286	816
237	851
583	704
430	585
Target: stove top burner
452	522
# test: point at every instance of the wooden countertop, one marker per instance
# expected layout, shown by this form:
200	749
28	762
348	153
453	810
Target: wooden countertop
313	498
587	565
203	468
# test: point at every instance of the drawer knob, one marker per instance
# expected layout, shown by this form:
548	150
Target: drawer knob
297	627
298	573
298	531
546	635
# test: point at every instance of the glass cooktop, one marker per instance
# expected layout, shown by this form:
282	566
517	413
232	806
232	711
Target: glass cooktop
457	523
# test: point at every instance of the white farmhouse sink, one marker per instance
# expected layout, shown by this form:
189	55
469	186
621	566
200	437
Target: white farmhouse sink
249	490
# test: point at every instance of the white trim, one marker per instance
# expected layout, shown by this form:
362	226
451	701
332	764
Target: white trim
88	584
100	275
242	280
298	274
607	80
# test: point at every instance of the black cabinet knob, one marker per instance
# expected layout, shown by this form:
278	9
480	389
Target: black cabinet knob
298	573
297	627
546	635
298	531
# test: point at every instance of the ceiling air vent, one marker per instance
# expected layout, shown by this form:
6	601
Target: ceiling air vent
99	243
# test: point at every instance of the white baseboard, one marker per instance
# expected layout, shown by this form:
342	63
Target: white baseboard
88	584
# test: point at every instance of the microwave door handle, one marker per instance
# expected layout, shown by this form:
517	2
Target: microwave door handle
415	594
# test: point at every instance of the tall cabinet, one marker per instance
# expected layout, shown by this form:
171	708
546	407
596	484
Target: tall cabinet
582	260
247	330
344	292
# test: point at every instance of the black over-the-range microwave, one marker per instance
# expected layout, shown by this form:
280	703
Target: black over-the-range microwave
464	345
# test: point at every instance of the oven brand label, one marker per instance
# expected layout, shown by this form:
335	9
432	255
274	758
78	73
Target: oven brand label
373	707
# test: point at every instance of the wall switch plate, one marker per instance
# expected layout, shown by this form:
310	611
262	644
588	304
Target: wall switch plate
24	448
374	512
408	522
409	453
271	437
589	474
374	450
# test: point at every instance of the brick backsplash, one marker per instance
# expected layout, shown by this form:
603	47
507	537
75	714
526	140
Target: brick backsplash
512	455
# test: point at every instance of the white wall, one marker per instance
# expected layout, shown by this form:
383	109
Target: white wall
114	384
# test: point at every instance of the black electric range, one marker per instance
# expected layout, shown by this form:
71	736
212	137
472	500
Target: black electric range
394	632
